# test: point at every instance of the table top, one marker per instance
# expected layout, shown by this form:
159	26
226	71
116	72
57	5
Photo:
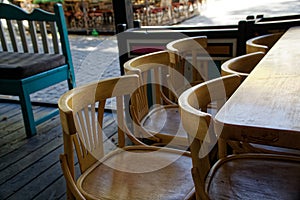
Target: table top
266	107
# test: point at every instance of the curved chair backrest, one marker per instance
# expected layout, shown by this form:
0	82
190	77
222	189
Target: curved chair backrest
152	68
82	115
105	164
152	103
241	65
262	43
199	125
188	56
230	176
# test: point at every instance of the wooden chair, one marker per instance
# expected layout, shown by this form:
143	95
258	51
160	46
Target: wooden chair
262	43
128	172
242	176
189	57
29	65
156	117
241	65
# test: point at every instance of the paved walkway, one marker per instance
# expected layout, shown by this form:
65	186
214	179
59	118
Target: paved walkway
96	58
227	12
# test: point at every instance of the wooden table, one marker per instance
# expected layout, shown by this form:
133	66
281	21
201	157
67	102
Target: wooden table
265	109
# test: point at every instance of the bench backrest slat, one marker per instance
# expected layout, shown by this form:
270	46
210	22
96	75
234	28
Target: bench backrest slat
55	39
2	37
23	36
12	35
32	31
43	31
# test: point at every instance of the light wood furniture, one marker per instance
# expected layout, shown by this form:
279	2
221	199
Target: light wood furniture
241	65
127	172
189	57
264	109
156	117
262	43
241	176
35	55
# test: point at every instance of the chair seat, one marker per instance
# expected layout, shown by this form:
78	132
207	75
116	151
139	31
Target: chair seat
21	65
139	173
165	122
255	177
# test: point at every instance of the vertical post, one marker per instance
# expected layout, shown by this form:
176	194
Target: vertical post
122	46
123	12
241	46
137	24
245	31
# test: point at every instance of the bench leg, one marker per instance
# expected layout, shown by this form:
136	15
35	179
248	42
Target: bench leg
27	113
71	79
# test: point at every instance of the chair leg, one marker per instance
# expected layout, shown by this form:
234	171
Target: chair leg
222	146
71	80
27	112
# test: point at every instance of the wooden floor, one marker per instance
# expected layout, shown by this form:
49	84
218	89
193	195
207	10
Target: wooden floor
30	168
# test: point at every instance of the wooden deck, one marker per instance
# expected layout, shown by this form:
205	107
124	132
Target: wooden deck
30	168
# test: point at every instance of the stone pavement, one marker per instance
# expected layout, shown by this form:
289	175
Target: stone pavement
228	12
96	58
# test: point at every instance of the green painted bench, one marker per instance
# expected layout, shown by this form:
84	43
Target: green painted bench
34	54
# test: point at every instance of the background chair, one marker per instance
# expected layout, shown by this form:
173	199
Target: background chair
242	176
189	57
29	65
127	172
262	43
156	117
241	65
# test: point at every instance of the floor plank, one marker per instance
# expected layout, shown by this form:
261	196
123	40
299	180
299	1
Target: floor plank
30	168
35	169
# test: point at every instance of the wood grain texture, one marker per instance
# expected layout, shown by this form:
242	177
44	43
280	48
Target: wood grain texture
238	176
241	65
130	171
29	168
262	43
266	108
156	115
